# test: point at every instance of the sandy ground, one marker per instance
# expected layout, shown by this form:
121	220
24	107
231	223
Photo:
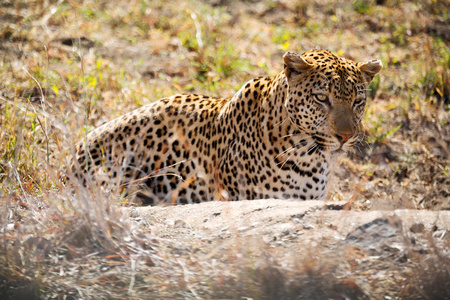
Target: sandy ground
268	218
290	223
380	252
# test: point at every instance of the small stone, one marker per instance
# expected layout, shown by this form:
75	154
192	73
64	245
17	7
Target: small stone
417	228
134	214
170	222
149	262
308	226
296	221
179	223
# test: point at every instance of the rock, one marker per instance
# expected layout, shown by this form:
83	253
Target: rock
417	228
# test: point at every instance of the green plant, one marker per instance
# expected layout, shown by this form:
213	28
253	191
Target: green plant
374	86
436	75
363	6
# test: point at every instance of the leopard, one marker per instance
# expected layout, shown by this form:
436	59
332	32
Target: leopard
277	137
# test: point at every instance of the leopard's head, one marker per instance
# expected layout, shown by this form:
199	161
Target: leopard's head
326	96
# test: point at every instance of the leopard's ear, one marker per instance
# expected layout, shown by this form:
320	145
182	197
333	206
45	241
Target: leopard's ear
295	64
370	69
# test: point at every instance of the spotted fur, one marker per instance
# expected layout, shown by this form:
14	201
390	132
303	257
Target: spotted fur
277	137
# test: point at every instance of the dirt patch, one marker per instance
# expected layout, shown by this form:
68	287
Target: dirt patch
270	220
378	245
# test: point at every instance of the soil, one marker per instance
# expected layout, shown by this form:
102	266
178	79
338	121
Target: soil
277	222
381	246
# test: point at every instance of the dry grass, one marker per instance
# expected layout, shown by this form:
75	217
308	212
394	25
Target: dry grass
69	66
431	277
312	277
65	245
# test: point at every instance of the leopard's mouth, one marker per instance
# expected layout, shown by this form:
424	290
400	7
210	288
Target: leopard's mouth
338	151
324	143
319	141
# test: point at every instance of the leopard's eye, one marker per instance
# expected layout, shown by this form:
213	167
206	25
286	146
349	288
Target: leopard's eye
321	97
358	101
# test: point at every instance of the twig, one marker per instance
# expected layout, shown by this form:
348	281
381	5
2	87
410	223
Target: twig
186	279
86	108
44	127
198	33
43	103
133	273
14	170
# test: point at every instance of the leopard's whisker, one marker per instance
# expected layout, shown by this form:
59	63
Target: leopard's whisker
280	123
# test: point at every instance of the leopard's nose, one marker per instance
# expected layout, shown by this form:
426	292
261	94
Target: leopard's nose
344	137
